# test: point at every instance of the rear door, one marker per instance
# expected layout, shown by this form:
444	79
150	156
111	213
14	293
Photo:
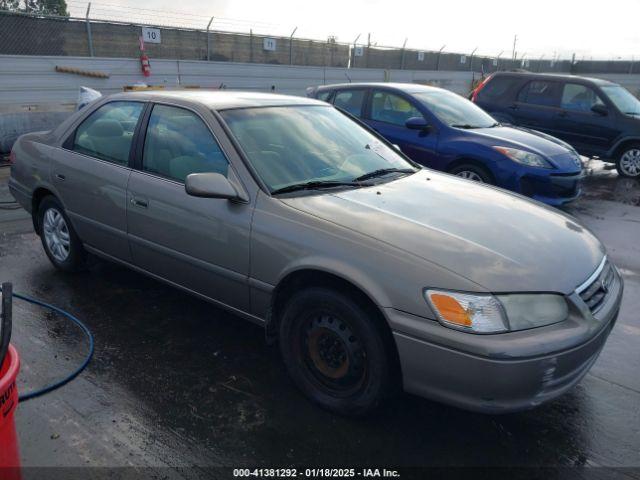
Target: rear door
589	132
537	106
91	171
387	113
199	243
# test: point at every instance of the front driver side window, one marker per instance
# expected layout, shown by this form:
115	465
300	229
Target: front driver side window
108	132
579	98
178	143
390	108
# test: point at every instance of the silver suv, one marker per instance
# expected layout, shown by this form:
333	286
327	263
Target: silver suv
372	273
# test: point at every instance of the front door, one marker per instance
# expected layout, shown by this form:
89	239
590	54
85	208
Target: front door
91	171
589	132
388	113
199	243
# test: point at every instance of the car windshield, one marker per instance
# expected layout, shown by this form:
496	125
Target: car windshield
623	99
453	110
314	145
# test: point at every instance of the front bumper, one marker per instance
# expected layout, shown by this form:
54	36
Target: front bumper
552	189
505	372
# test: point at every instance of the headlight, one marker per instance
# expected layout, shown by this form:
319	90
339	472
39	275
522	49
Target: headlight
484	313
464	311
525	158
533	310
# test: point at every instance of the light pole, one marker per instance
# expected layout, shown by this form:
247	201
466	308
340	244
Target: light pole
498	60
291	46
471	59
353	62
208	39
403	51
438	57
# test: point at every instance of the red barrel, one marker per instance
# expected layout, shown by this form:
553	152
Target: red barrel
9	456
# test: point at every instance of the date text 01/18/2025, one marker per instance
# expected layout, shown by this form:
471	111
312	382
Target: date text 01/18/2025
315	473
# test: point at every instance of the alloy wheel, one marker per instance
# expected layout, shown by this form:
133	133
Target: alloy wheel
56	234
630	162
470	175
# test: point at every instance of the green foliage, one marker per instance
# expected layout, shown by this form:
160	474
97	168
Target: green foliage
45	7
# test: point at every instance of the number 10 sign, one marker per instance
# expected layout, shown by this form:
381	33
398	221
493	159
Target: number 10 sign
151	35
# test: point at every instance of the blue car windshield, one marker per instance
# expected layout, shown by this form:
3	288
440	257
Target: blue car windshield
453	110
299	144
623	99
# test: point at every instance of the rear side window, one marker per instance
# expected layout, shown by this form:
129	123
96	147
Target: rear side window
579	98
350	101
495	88
178	143
540	92
324	96
108	132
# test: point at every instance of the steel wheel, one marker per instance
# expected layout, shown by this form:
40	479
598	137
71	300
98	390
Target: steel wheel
56	234
629	163
333	353
469	175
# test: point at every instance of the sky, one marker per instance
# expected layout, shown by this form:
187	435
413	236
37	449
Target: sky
548	28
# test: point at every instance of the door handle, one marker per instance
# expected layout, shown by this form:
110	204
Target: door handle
139	202
59	176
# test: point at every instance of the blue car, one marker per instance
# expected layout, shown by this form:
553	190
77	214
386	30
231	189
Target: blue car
442	130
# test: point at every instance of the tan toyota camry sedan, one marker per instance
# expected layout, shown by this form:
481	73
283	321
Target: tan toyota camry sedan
371	272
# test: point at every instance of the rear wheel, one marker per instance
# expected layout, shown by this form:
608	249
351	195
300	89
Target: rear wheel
628	162
59	239
472	172
335	351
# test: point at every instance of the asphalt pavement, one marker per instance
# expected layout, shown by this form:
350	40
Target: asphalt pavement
178	385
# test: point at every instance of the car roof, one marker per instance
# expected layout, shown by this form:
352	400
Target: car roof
554	76
405	87
219	99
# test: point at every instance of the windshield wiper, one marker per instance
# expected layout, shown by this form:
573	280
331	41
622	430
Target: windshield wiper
317	185
382	171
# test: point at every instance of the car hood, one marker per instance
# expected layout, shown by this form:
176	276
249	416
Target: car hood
498	240
552	149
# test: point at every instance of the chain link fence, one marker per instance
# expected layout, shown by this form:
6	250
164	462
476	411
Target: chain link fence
28	34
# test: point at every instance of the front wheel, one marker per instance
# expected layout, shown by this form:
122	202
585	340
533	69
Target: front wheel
59	239
628	162
335	351
472	172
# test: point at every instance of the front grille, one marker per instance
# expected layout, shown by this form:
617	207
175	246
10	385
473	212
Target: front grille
595	293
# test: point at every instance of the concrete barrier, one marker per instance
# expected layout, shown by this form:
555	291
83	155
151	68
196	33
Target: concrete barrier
33	96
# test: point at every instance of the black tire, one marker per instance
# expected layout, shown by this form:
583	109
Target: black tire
335	351
628	161
75	259
472	169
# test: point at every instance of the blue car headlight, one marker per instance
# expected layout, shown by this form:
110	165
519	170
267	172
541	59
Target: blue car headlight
523	157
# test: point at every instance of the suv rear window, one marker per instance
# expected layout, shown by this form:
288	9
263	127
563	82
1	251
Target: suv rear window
495	88
540	92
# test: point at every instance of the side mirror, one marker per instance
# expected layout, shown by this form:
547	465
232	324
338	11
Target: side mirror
417	123
600	109
209	185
